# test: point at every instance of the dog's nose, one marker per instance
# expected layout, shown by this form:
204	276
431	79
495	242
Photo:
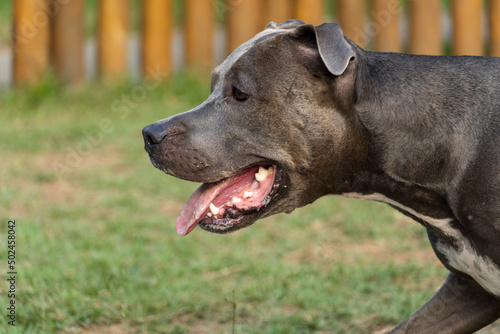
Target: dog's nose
153	134
160	131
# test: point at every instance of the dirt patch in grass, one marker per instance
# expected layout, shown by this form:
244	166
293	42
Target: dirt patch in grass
70	162
379	251
373	251
42	191
59	192
100	329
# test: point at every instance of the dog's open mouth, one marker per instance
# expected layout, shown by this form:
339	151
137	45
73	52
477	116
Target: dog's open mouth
222	206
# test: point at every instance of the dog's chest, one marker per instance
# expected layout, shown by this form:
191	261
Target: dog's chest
460	255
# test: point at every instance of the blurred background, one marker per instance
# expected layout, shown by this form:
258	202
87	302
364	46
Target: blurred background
96	249
78	40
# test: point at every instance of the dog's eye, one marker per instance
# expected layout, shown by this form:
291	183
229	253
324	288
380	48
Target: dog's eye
239	96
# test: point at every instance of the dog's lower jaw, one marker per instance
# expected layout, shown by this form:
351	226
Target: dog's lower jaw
225	229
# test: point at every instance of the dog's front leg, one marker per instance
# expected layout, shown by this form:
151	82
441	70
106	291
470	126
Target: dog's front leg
460	306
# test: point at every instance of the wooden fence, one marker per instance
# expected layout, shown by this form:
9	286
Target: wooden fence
50	33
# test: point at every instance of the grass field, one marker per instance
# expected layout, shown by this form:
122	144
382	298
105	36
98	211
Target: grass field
97	252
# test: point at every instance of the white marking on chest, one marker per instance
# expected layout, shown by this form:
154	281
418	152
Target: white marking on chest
482	269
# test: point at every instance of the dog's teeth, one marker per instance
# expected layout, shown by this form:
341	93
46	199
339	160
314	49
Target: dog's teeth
263	173
236	200
209	214
213	209
247	194
260	177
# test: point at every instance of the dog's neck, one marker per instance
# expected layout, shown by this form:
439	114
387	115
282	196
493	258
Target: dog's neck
371	172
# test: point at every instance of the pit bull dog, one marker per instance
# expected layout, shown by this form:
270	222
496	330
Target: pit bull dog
299	112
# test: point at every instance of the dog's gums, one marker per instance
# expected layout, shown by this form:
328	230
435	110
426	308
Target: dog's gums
221	206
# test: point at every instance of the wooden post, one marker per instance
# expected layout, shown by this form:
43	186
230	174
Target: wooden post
276	11
425	27
157	26
68	39
30	40
351	17
494	14
199	26
467	27
311	11
242	22
385	23
112	37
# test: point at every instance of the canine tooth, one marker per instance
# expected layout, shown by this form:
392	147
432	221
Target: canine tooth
236	200
209	214
247	194
263	173
213	209
260	176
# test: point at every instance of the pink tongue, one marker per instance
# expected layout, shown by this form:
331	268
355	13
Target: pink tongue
218	193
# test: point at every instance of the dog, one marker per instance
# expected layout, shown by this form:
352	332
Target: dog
299	112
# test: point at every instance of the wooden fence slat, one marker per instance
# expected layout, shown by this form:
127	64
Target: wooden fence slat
311	11
68	41
425	27
242	22
112	37
157	26
467	27
385	16
494	26
199	24
276	11
30	40
351	17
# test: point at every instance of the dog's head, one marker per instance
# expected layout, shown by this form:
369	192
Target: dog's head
274	134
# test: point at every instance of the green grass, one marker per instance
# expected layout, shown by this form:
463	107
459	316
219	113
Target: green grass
97	248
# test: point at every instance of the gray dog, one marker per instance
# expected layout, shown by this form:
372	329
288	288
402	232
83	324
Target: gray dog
299	112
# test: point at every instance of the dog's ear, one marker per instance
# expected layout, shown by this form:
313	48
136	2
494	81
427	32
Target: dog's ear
332	46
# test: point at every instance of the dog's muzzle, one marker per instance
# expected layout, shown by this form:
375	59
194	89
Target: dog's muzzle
157	133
